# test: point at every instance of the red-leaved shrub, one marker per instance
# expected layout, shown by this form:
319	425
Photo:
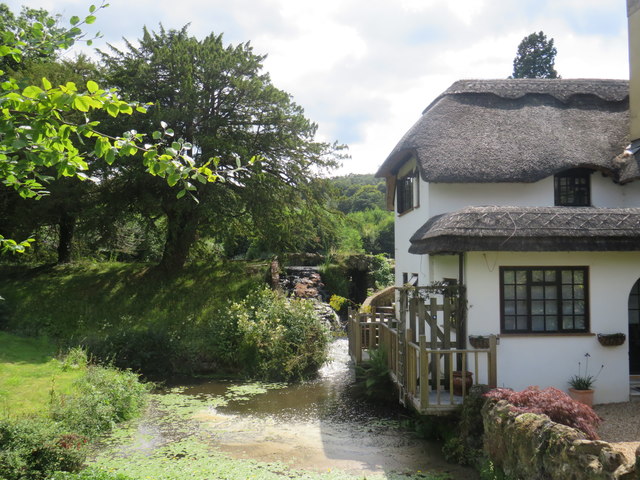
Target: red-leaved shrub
554	403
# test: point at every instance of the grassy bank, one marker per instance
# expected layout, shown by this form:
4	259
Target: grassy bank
51	407
213	318
72	301
28	374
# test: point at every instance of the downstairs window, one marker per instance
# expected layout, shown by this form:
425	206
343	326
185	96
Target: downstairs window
544	300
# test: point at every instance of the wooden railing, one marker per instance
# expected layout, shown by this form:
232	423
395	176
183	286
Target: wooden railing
426	377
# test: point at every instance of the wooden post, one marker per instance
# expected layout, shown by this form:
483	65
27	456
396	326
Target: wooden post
493	361
407	370
424	373
357	331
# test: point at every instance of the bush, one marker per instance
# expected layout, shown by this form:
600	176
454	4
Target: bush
102	397
279	338
149	350
554	403
34	448
465	445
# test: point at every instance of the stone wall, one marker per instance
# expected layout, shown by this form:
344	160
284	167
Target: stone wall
531	446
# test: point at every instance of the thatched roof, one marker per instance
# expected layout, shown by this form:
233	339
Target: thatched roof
530	229
520	130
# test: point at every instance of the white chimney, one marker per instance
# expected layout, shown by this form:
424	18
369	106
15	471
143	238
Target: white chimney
633	14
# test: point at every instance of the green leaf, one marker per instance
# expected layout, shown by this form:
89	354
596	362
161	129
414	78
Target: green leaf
110	157
92	86
112	110
156	135
141	109
176	146
173	179
82	103
124	108
46	84
92	8
90	19
74	20
32	91
181	193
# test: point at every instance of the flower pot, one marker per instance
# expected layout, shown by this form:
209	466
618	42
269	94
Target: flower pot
611	339
479	341
582	396
457	382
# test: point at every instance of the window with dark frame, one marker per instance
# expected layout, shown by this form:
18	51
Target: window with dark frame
405	189
573	188
544	300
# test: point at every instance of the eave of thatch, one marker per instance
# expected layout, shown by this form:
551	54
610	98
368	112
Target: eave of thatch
520	130
530	229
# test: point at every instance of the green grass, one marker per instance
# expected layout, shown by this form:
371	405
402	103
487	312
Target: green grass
133	315
67	302
28	372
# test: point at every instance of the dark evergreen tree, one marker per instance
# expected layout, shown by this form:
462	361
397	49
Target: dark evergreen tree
535	57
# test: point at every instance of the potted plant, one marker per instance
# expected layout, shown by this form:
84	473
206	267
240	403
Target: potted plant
611	339
581	385
479	341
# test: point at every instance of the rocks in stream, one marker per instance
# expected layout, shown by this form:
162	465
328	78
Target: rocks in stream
305	282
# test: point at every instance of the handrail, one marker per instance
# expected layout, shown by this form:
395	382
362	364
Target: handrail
424	374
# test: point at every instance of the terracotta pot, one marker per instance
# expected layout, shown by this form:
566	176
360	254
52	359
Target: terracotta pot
582	396
457	382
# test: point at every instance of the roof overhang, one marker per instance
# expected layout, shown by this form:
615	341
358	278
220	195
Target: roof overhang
529	229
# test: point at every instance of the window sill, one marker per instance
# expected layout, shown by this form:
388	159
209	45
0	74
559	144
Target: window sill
407	211
544	334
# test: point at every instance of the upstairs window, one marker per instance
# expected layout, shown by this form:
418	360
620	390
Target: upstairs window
544	299
573	188
407	191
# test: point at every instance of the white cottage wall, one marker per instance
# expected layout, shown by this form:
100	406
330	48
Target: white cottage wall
550	360
405	225
606	194
448	197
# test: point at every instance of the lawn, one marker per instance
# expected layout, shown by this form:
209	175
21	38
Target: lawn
28	373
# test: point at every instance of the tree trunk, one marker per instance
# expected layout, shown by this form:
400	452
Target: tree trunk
67	224
182	225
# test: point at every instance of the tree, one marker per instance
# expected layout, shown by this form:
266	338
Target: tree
38	132
535	57
221	103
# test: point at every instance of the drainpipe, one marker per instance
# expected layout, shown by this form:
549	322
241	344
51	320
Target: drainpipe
633	15
462	335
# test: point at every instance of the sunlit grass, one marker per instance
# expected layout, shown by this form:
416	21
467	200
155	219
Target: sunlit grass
28	373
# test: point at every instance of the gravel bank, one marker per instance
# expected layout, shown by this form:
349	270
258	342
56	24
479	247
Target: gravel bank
621	425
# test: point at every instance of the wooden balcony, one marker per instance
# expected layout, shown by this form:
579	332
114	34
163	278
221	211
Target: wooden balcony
423	367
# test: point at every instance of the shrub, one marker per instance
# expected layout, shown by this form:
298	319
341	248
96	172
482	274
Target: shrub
103	397
465	446
149	350
554	403
33	448
279	338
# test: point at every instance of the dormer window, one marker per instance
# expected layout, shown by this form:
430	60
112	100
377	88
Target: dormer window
573	188
407	191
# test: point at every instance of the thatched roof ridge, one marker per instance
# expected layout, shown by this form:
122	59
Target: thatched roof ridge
519	130
530	229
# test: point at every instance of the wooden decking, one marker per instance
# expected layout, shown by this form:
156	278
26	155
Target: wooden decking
422	368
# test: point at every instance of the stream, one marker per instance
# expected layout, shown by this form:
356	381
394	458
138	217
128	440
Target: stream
316	429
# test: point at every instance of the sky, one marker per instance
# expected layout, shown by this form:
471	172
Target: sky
364	70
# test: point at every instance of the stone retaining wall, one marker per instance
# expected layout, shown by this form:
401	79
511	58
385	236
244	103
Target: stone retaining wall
531	446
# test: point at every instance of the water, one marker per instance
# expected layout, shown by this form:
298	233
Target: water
317	426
